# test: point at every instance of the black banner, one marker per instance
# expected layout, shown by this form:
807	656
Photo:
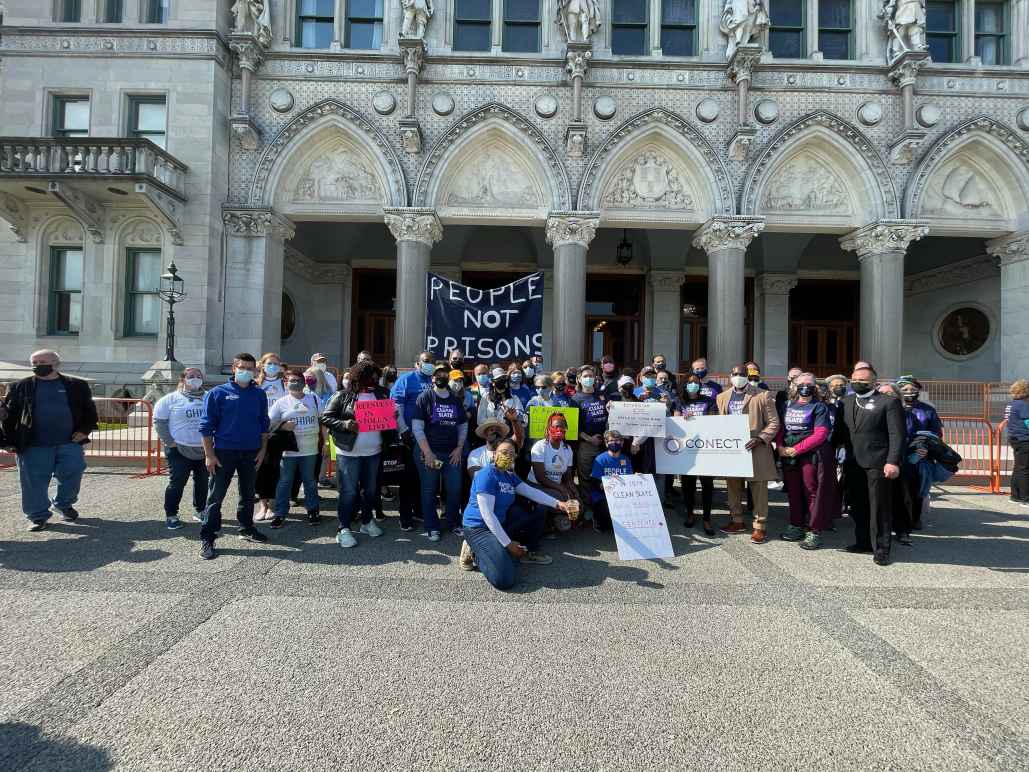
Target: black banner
501	323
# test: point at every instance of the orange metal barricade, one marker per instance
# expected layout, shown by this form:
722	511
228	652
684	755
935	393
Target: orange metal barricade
1003	459
972	437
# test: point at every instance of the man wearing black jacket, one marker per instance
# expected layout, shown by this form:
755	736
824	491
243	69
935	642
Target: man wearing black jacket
47	418
874	440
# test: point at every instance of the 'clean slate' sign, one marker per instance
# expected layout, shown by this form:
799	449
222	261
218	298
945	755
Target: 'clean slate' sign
638	419
705	446
641	531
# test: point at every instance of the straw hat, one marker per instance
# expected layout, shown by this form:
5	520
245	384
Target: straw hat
492	423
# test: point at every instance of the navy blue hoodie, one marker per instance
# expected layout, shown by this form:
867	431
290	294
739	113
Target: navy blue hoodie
235	417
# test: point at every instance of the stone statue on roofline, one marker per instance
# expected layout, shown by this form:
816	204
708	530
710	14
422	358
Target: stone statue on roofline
253	17
905	26
742	23
578	19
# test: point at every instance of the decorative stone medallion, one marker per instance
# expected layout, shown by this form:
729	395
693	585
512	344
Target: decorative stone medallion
929	115
545	106
870	113
1023	119
963	331
384	103
442	104
707	110
766	111
604	107
281	100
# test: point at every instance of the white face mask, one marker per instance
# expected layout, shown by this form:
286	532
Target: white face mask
194	384
320	367
739	381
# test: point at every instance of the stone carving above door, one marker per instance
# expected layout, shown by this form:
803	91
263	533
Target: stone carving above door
805	184
494	181
959	190
338	176
650	181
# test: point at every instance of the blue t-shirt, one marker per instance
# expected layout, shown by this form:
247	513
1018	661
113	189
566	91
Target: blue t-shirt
406	390
592	413
500	485
442	417
801	419
1017	413
523	392
52	423
605	464
696	407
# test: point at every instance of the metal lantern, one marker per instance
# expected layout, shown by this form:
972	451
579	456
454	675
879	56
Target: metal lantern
172	291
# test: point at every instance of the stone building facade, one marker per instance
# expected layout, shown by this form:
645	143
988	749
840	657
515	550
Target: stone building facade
797	209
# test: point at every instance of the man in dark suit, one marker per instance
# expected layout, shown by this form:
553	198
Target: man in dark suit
874	440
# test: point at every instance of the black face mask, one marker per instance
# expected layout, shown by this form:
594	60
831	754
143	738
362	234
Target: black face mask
500	384
441	381
456	364
42	370
805	390
861	387
838	391
909	397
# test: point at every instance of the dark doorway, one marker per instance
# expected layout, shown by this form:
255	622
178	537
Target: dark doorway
824	325
614	318
374	314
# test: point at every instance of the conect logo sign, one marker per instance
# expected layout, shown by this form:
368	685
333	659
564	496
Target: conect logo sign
715	445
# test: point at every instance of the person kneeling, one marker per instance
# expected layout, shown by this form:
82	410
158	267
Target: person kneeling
499	532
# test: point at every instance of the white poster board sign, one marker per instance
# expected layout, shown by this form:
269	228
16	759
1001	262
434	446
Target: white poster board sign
637	517
708	446
638	419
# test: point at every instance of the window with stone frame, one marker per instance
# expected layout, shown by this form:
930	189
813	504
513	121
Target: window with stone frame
148	119
68	11
70	116
990	32
112	11
521	31
64	306
786	29
678	27
156	11
364	24
142	303
316	20
941	24
835	27
630	27
473	25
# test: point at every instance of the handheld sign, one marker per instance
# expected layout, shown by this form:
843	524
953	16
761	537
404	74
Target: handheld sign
638	419
641	531
705	446
538	421
376	415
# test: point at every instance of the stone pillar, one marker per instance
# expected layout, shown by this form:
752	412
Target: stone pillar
415	230
772	320
253	280
725	240
880	249
1013	252
665	314
570	234
346	297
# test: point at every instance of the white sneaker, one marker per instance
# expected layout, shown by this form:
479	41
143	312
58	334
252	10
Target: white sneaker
264	517
345	538
776	485
432	535
371	529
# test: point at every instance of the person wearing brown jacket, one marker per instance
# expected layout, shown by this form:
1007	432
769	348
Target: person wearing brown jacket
743	398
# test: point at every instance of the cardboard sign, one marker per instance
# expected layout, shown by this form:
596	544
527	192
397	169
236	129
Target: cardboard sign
708	446
538	421
638	419
641	531
375	415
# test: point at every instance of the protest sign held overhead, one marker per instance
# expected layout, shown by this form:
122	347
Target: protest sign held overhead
494	324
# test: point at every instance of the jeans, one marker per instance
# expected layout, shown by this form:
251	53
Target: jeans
357	478
37	466
303	467
495	562
179	470
241	463
429	480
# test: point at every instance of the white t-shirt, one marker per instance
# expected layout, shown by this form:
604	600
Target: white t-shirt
481	457
304	413
330	381
367	443
274	390
183	416
555	462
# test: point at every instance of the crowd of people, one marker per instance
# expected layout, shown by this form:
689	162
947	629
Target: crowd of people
463	464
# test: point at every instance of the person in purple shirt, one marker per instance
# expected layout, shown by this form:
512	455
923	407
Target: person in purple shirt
918	417
708	388
592	405
692	404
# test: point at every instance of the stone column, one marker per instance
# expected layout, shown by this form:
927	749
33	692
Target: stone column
1013	252
725	240
253	280
772	320
415	230
666	315
570	234
880	249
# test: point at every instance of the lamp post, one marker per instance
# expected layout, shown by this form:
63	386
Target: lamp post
172	291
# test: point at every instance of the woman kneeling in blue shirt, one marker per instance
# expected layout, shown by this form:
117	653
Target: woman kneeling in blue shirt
497	531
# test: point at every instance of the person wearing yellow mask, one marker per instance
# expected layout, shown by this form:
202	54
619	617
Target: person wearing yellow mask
499	532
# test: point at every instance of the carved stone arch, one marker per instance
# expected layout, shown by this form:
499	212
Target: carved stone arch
493	162
854	185
60	230
138	230
974	179
656	168
329	161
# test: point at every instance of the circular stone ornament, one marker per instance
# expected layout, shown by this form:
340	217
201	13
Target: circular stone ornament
707	110
1023	119
384	103
870	113
545	106
766	111
442	104
929	115
281	100
604	107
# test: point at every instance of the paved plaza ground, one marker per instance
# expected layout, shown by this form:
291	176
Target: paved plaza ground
123	650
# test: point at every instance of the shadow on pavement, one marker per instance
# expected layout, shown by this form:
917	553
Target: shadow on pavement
21	743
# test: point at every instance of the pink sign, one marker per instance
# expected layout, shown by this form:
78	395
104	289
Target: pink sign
376	415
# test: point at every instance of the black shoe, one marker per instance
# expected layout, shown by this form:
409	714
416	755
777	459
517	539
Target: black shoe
708	529
857	549
904	538
37	525
207	549
277	522
882	558
252	534
916	526
70	514
691	520
313	518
